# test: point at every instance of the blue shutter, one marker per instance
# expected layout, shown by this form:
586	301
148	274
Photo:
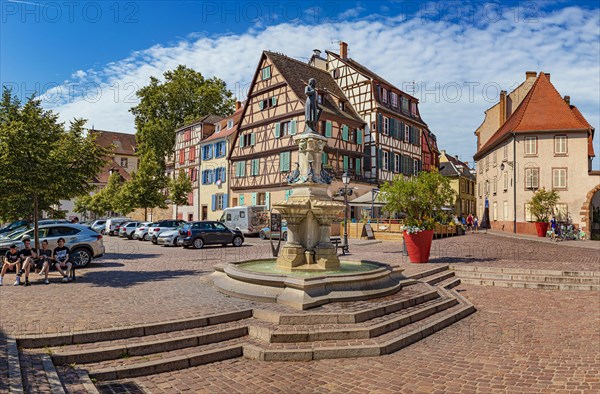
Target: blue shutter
277	130
225	200
214	202
293	127
223	176
253	198
328	127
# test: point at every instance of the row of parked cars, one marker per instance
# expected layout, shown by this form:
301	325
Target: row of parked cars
171	232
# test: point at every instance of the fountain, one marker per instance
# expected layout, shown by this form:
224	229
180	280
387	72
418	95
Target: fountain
308	271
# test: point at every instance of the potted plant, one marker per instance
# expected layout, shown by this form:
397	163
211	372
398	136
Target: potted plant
542	205
419	198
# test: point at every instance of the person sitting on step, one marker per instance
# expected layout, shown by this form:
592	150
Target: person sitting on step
10	262
61	258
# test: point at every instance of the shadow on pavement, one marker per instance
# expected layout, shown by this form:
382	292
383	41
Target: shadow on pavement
124	279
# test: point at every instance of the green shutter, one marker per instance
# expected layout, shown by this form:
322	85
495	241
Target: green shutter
268	199
252	139
288	193
380	159
359	136
358	166
261	105
379	123
328	129
273	101
345	163
324	158
284	161
241	199
344	132
277	130
293	127
253	198
255	166
241	137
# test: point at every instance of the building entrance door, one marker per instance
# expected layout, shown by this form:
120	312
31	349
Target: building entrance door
204	212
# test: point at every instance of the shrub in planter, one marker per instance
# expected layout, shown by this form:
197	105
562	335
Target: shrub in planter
420	199
542	205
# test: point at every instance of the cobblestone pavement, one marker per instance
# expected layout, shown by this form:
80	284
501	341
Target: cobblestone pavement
519	341
137	282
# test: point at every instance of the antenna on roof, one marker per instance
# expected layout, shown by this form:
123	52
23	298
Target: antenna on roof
412	88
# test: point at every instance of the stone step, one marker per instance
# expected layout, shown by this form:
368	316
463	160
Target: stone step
80	337
140	346
353	312
372	328
439	277
38	373
449	283
164	362
530	285
531	278
384	344
429	272
524	271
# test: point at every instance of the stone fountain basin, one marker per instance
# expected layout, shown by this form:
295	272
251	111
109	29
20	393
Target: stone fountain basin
308	292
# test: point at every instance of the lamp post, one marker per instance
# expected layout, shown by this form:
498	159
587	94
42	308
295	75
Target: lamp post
345	181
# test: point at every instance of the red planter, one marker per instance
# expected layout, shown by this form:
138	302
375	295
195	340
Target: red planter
419	245
541	228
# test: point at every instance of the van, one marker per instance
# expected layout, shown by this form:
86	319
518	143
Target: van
248	219
113	224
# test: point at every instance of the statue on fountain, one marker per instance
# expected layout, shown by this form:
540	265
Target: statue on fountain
312	111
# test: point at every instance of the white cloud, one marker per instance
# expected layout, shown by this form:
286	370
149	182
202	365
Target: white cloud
429	52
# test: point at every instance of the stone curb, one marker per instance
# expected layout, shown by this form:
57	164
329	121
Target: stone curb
530	285
429	272
524	271
41	340
85	380
15	379
56	386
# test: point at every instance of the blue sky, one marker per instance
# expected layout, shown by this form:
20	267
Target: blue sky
93	55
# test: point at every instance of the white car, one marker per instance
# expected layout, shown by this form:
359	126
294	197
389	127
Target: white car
169	238
162	225
141	232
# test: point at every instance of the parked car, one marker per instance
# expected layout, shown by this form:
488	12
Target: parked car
170	237
29	225
141	232
266	232
13	226
162	225
99	225
248	219
198	234
127	229
84	243
113	224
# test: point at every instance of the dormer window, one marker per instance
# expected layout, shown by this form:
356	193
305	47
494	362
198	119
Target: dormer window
384	95
229	124
413	108
404	102
342	106
394	99
217	128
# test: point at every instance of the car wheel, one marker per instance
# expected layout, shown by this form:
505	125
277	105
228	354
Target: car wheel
103	232
130	236
81	257
262	235
237	241
146	237
284	236
154	240
175	240
198	243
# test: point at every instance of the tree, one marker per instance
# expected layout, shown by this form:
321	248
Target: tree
165	106
542	204
420	198
41	162
146	187
179	189
108	198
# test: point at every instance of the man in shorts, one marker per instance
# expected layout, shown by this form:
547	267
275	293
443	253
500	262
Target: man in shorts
42	263
11	262
60	255
27	255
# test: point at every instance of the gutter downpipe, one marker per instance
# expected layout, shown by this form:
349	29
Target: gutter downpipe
514	183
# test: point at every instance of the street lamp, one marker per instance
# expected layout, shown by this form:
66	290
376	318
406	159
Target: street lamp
345	181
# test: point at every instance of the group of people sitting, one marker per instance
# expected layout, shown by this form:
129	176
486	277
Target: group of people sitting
29	259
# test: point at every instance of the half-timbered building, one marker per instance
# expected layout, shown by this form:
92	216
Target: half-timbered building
393	123
263	152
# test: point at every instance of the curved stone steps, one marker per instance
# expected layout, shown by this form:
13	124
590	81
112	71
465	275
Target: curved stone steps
449	283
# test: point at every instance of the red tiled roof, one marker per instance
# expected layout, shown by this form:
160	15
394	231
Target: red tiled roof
225	132
124	144
105	173
542	109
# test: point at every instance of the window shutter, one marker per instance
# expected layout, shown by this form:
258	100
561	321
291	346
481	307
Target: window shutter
410	135
225	200
241	137
223	175
268	199
214	202
328	129
380	158
277	130
390	161
241	199
358	165
324	158
273	101
400	133
253	198
344	132
393	131
261	105
379	123
288	193
359	136
252	139
345	163
293	127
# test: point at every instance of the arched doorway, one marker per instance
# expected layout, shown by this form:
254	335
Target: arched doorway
591	214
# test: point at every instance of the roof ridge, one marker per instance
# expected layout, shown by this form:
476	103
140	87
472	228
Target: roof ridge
565	103
297	61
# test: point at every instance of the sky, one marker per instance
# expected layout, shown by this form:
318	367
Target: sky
86	59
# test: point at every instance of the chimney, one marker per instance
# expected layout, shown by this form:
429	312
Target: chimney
502	117
317	61
238	105
547	75
343	50
317	52
567	100
530	74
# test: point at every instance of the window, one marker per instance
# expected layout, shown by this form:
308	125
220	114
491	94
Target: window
413	109
479	188
335	73
505	151
190	199
528	215
229	123
207	152
240	169
487	187
181	156
267	103
284	161
532	178
320	98
384	95
406	133
124	162
342	106
397	163
462	185
505	210
505	181
530	146
561	212
247	140
404	102
559	178
495	158
386	125
495	211
385	160
219	201
487	162
255	170
495	186
480	165
560	145
266	72
416	165
394	99
217	127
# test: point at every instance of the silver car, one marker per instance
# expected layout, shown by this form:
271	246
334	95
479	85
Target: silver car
141	232
84	243
162	225
170	237
99	225
127	229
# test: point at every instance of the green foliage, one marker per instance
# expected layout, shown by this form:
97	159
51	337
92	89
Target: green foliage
146	187
40	160
542	204
421	198
180	188
165	106
108	198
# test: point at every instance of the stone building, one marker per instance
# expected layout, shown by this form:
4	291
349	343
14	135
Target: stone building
462	181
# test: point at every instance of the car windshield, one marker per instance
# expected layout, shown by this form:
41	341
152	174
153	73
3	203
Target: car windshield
15	234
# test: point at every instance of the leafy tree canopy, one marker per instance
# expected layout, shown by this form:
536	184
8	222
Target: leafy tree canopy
542	204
